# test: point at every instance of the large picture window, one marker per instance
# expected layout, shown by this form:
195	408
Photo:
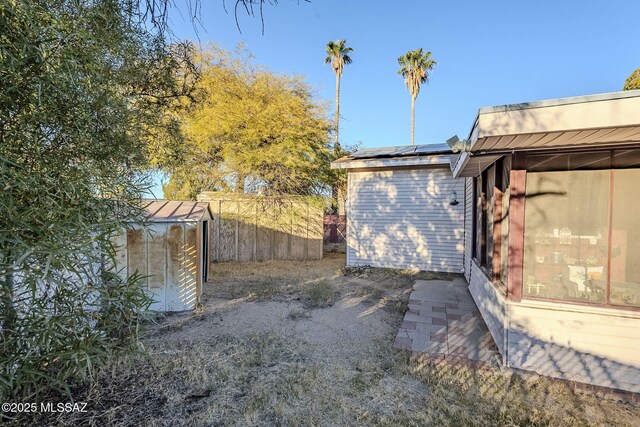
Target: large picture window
624	273
582	240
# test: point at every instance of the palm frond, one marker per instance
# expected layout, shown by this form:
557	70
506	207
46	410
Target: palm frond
415	67
338	55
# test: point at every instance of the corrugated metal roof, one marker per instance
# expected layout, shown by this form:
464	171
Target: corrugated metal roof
171	211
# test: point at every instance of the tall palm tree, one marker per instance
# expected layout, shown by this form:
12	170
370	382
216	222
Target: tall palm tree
414	68
337	56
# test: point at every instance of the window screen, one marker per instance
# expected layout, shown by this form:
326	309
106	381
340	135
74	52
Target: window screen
566	235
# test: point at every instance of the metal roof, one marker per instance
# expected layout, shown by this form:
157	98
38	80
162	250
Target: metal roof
175	211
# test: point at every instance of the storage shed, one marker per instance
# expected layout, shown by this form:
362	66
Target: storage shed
400	208
170	251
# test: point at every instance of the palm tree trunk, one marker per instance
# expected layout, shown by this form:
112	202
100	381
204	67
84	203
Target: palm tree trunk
336	144
413	119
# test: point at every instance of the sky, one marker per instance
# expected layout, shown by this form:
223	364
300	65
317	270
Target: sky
487	53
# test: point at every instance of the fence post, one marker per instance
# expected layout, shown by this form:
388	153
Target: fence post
306	240
219	223
237	228
273	233
255	236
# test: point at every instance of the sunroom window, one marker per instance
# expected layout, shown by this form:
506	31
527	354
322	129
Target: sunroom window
582	236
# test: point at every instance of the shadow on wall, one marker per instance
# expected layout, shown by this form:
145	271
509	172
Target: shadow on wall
563	358
188	292
531	353
404	219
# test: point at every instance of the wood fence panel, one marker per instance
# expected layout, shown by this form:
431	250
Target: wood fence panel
282	230
314	234
265	233
299	217
257	228
246	230
226	231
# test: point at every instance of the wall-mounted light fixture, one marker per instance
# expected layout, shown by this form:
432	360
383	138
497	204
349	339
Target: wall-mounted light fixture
453	198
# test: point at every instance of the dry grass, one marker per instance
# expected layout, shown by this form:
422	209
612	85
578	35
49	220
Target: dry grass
313	348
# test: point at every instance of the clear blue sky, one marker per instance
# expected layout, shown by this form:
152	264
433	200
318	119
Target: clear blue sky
488	53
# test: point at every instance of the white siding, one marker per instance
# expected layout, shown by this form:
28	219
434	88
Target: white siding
591	345
492	305
578	343
403	219
468	227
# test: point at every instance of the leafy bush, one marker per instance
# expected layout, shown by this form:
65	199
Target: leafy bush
86	94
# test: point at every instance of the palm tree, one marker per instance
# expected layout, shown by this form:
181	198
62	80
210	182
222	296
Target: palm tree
337	56
414	68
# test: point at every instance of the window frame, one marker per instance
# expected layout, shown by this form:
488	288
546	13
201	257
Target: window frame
613	165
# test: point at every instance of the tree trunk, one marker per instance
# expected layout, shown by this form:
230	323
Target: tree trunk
413	119
336	144
240	183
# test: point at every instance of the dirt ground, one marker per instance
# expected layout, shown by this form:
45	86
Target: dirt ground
310	343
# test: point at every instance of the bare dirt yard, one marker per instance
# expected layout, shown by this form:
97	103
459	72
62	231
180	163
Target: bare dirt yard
310	343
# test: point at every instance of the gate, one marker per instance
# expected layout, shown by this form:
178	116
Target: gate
335	229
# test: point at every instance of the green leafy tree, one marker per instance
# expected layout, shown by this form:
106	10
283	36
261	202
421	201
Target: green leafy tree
633	81
337	55
86	90
415	67
251	130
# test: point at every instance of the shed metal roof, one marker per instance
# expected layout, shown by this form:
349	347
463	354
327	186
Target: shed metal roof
176	211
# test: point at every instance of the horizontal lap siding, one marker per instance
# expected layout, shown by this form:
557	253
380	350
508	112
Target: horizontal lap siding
491	305
403	219
600	349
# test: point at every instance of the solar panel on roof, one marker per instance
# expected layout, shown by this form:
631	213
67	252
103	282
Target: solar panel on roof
432	149
373	152
406	150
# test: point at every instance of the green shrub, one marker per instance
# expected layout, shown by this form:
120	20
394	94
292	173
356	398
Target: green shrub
85	94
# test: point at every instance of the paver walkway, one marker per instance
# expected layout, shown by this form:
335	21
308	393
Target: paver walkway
444	322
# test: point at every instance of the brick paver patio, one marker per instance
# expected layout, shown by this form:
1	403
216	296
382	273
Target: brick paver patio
443	322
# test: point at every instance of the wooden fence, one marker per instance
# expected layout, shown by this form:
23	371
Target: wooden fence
256	228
